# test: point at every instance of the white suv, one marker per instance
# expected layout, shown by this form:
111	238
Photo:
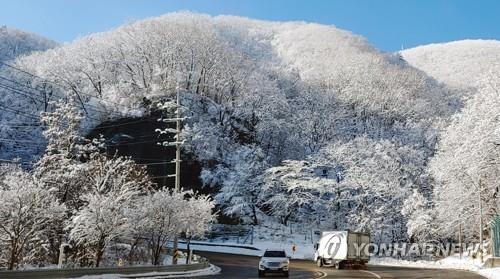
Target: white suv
274	261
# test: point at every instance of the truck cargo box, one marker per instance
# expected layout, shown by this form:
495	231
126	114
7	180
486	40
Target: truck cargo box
338	248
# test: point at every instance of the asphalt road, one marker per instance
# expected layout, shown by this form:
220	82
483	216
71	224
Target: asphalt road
236	266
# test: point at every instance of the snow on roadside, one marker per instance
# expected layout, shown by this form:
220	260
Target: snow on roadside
452	262
211	270
302	251
228	248
491	273
270	235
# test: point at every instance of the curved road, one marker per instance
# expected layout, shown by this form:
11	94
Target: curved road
237	266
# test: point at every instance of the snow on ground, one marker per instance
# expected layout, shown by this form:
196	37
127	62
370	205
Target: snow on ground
211	270
257	249
452	262
265	237
491	273
229	248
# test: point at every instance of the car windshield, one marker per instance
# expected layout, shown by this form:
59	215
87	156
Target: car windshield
275	254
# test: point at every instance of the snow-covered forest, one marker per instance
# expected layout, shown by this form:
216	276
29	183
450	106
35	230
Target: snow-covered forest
291	122
14	43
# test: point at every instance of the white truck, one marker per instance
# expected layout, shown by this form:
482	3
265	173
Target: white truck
342	248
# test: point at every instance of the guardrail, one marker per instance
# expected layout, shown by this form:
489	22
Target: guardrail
77	272
236	233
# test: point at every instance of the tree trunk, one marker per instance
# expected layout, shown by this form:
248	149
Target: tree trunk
98	258
156	251
13	258
254	216
100	252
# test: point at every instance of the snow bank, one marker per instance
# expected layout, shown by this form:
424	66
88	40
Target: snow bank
211	270
452	262
302	251
491	273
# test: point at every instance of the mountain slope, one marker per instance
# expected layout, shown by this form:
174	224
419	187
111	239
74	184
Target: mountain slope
460	64
467	153
258	94
15	42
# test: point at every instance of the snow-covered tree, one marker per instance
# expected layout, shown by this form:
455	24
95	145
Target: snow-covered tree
420	225
241	185
259	94
164	214
291	190
101	221
61	168
467	165
378	176
112	187
15	42
27	212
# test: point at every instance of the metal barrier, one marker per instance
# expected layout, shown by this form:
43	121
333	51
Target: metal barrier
78	272
242	234
495	236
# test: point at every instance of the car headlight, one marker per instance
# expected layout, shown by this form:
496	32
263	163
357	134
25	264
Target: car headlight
262	265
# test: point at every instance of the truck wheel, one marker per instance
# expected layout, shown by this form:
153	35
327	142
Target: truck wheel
261	273
287	274
319	262
341	265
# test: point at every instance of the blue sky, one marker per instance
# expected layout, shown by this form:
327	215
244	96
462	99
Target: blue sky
388	24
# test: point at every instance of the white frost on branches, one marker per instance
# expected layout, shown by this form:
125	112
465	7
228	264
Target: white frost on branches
164	214
27	212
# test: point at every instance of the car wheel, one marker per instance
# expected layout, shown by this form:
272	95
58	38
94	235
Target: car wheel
287	274
261	273
319	262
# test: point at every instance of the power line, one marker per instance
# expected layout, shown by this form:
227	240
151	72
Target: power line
15	162
133	143
18	112
28	95
123	124
161	176
22	126
18	141
54	83
24	93
94	108
152	164
149	159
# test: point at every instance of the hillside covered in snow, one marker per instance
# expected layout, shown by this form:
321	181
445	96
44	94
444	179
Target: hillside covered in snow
466	161
464	64
15	42
291	122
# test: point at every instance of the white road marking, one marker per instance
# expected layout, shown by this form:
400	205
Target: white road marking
322	276
372	273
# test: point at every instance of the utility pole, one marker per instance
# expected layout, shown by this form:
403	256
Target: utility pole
177	143
177	163
480	222
460	239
